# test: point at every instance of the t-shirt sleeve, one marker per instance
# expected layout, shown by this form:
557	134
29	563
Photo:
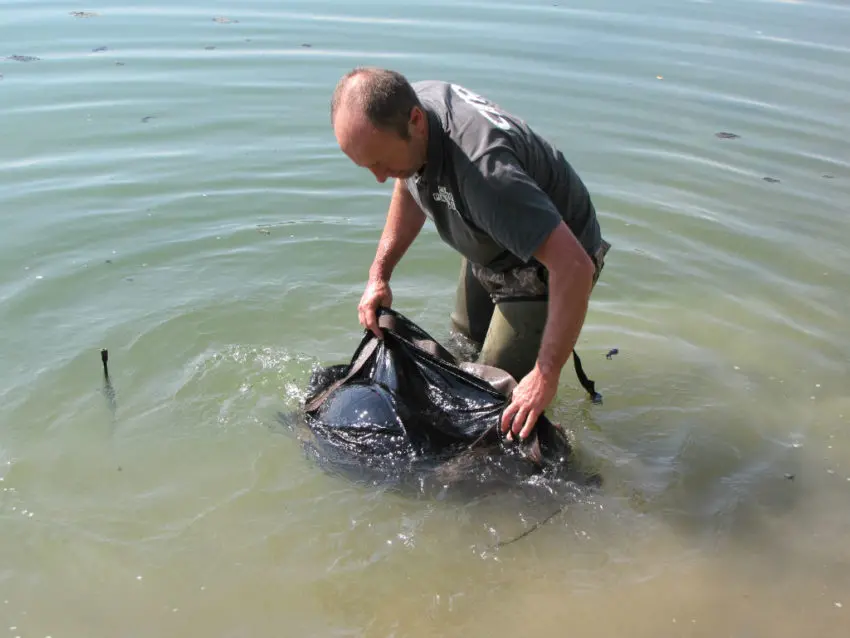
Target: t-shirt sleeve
503	201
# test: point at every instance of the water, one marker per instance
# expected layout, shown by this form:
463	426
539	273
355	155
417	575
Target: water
187	208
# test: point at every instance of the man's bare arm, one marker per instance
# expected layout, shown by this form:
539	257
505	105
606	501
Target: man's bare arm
570	282
404	221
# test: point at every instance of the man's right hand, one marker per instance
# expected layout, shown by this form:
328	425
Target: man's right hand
377	294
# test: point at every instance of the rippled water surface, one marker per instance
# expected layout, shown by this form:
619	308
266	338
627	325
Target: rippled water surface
170	189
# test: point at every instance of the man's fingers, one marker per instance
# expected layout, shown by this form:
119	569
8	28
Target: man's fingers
508	416
519	420
372	322
530	421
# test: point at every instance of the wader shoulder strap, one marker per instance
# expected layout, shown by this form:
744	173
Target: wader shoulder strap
586	383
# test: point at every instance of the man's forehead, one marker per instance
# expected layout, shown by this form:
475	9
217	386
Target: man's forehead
352	121
356	134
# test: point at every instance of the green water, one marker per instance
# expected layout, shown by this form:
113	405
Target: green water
187	208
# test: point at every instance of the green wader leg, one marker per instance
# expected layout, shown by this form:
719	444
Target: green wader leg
514	336
516	329
473	307
509	333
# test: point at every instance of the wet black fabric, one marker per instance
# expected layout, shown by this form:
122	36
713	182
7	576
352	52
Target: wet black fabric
404	403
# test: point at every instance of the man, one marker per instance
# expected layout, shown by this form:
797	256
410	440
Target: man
503	197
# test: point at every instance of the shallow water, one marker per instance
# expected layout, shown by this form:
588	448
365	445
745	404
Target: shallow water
179	199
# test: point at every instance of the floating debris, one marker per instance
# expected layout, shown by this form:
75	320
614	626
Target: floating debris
264	230
148	118
306	45
209	48
99	49
612	352
23	58
659	77
828	176
790	477
84	14
119	64
725	135
771	180
224	20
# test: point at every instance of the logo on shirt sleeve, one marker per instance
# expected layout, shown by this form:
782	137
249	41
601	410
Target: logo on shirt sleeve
483	106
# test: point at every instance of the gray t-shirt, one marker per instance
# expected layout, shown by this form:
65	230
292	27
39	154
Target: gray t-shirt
493	187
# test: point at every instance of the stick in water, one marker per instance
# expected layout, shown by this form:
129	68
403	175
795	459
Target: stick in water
107	384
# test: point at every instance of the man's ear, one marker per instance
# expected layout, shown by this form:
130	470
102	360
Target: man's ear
417	119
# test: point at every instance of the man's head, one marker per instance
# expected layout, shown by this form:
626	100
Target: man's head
380	123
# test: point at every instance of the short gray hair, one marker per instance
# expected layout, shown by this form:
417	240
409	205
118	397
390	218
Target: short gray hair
385	97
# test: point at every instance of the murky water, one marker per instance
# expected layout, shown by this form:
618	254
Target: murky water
170	189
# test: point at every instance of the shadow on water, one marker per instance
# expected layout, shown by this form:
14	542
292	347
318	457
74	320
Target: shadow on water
716	473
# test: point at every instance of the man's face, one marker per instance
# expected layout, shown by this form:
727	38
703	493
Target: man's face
385	153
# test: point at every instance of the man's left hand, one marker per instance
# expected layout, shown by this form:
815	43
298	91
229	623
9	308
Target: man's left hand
530	398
